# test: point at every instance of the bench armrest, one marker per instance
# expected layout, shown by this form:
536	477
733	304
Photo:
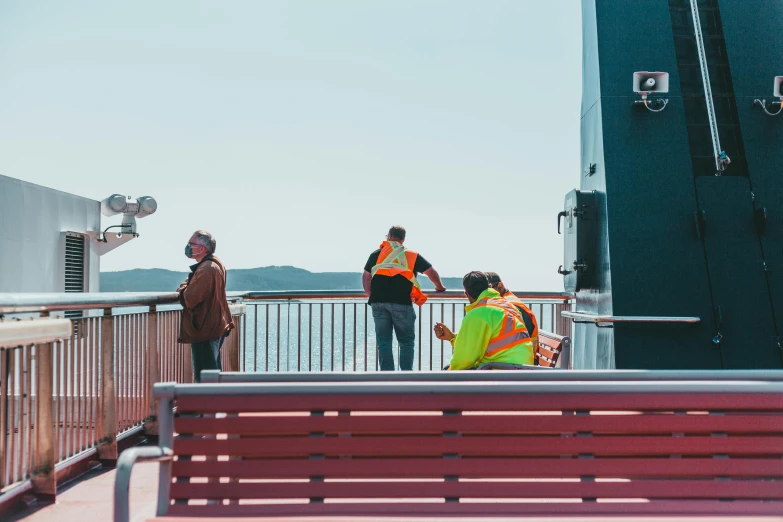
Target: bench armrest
122	480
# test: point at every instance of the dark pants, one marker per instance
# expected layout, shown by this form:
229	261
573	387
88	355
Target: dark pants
402	320
206	356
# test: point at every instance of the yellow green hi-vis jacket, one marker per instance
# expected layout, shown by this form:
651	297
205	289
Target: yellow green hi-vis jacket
480	325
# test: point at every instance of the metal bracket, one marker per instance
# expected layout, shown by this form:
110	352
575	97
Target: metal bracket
590	169
582	267
763	104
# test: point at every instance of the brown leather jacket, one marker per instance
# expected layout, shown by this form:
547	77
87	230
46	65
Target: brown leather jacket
205	313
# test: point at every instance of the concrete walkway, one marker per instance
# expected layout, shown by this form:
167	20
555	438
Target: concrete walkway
90	498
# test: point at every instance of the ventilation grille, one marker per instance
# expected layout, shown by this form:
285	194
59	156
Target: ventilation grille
74	272
74	263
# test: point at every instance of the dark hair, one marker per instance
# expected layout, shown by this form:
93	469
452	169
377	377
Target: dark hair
206	239
493	278
397	232
474	283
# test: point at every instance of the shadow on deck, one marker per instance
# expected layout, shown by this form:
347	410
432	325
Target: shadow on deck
91	498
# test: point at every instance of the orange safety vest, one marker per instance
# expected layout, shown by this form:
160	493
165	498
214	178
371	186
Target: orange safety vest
527	314
395	259
512	333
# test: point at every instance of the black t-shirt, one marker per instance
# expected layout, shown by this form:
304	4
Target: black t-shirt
395	289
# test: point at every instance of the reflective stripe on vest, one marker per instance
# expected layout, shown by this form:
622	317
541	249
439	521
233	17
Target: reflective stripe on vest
510	334
523	308
393	260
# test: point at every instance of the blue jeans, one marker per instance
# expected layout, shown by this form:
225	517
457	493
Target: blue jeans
206	356
402	319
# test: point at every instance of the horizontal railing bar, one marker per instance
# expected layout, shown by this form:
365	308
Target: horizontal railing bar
552	387
52	302
33	302
583	317
15	491
275	295
33	331
214	376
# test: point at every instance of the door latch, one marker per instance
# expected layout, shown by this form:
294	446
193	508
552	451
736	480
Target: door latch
559	217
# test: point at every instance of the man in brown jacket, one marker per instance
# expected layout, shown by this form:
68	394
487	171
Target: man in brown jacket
206	319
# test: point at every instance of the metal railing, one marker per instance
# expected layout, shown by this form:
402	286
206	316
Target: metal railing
334	331
94	381
97	378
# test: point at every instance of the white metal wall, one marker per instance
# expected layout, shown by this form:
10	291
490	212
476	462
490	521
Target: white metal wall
33	220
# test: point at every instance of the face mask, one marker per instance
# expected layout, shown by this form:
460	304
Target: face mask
188	251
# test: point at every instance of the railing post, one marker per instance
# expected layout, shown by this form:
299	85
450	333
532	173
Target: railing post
107	451
44	480
153	373
235	345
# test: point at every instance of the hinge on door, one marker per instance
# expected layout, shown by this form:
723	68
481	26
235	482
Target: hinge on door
700	218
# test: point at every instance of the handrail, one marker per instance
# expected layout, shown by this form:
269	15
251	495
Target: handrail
53	302
359	294
554	374
593	318
326	294
33	331
551	386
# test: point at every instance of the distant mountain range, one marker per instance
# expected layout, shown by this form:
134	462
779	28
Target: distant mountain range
264	278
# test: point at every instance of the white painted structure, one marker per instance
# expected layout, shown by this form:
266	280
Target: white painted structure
34	224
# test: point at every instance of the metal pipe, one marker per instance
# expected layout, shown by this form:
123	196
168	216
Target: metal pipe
40	302
550	385
34	331
583	317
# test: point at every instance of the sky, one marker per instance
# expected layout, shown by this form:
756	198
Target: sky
297	132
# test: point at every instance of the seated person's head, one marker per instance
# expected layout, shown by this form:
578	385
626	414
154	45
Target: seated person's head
474	284
495	282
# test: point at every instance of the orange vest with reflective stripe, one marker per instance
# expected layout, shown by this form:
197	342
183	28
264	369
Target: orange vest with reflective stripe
511	298
394	259
512	333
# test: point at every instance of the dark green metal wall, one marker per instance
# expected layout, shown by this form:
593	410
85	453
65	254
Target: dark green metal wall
653	178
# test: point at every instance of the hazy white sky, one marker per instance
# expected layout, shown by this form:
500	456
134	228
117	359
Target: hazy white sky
298	131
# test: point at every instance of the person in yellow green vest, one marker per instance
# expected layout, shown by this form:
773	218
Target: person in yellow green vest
493	330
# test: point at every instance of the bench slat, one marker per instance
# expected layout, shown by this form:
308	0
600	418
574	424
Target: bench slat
478	402
666	489
481	468
481	446
549	354
651	489
483	424
400	509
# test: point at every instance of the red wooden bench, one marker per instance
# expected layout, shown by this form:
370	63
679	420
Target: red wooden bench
456	449
548	351
549	348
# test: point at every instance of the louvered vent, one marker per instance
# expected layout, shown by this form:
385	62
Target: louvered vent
74	262
74	272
